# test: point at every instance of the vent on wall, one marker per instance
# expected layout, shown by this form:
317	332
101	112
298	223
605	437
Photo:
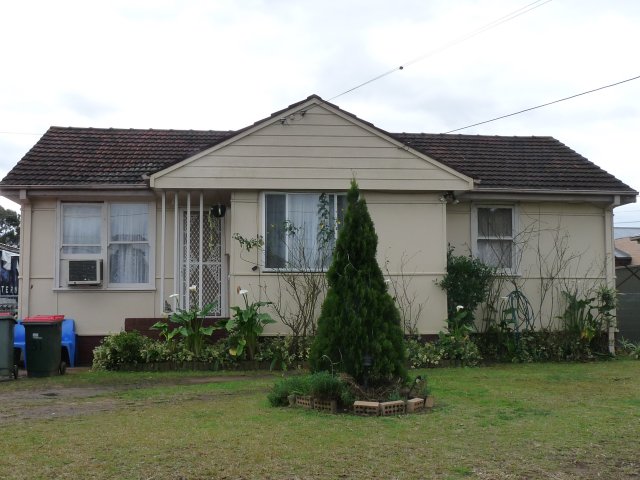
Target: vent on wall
85	272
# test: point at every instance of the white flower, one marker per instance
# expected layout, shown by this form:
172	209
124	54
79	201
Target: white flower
174	295
243	292
459	307
387	281
193	288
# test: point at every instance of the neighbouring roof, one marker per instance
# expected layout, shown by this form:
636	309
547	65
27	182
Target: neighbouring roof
629	247
95	156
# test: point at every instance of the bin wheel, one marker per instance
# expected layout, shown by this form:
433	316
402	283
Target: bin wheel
15	372
63	368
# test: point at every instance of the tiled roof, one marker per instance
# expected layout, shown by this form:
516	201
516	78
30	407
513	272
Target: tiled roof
515	163
93	156
90	156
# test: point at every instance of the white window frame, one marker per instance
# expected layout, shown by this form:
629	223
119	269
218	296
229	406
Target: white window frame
263	207
62	259
513	270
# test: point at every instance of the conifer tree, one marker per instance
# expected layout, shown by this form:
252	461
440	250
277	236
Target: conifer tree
358	318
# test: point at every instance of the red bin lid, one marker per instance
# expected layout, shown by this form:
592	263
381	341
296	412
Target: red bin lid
43	319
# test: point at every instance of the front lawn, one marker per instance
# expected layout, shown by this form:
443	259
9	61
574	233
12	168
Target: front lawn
556	421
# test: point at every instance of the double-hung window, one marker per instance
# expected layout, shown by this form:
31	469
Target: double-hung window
117	234
493	236
300	229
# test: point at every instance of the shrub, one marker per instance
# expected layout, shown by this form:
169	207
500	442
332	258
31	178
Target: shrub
359	328
295	385
325	386
466	282
630	348
459	347
423	355
118	350
283	353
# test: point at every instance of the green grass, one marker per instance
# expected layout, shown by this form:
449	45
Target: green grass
556	421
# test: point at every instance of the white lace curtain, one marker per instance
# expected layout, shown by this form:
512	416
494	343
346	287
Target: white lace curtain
128	243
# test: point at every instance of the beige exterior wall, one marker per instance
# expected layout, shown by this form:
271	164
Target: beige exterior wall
320	149
413	231
565	241
411	251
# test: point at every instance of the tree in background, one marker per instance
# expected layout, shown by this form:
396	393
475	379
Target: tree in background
9	227
359	328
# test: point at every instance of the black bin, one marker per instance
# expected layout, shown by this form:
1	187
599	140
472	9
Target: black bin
43	338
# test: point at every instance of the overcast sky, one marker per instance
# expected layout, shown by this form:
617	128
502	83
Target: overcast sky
224	64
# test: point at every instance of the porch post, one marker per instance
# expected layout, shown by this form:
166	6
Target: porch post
163	221
187	261
200	286
176	256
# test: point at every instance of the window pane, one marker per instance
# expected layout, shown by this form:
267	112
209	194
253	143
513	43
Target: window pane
275	216
82	249
129	263
496	253
81	225
129	222
311	230
495	222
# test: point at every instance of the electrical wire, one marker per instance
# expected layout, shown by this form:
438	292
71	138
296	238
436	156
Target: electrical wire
545	104
457	41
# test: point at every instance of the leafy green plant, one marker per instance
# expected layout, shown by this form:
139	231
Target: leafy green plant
422	355
283	353
118	350
457	345
294	385
325	386
466	282
189	324
246	325
630	348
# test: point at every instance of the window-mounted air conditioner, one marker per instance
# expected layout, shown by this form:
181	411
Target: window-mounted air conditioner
85	272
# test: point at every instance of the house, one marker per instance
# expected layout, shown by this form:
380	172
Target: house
114	221
627	249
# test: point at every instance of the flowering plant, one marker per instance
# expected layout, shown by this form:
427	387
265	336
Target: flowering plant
246	325
189	325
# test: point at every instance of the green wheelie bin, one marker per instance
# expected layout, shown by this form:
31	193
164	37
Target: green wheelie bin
8	367
43	338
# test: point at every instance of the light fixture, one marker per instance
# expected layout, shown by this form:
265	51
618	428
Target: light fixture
218	210
449	197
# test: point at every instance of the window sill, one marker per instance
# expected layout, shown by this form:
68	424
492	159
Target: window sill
105	289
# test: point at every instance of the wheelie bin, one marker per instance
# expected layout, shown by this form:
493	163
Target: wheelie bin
43	335
8	367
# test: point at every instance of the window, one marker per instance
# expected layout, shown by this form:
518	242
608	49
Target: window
493	229
116	233
300	229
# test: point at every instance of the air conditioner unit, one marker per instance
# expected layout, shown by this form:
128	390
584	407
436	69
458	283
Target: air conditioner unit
85	272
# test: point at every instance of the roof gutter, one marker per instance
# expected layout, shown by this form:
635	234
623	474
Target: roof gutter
602	196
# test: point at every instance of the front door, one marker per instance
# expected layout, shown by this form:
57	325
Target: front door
205	270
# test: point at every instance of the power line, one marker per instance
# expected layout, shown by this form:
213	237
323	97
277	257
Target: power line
463	38
544	104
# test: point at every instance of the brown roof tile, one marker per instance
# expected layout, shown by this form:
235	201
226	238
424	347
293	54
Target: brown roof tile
87	156
90	156
522	163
